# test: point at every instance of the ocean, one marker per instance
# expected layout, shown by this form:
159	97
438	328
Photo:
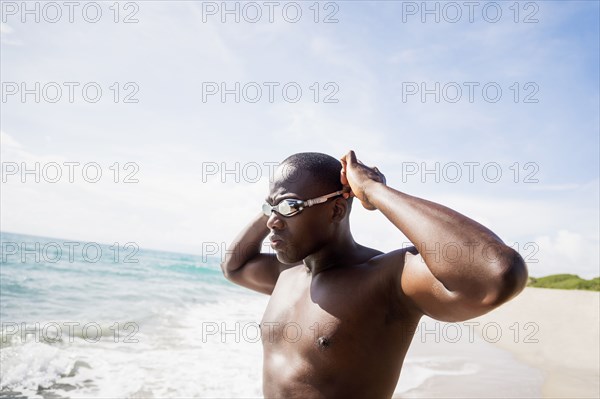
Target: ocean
88	320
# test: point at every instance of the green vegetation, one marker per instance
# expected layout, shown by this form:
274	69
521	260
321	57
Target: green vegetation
565	282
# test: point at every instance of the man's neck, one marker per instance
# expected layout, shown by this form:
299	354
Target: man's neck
335	254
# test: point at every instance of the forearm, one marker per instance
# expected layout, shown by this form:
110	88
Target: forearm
461	253
246	245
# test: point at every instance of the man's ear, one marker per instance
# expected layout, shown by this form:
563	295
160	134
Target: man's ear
340	209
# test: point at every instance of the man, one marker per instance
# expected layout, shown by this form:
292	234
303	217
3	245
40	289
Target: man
341	315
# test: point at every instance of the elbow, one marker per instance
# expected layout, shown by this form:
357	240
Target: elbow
226	269
507	278
511	277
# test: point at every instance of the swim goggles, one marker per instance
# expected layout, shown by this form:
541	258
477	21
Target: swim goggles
290	207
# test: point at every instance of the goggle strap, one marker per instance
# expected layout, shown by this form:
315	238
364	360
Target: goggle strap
324	198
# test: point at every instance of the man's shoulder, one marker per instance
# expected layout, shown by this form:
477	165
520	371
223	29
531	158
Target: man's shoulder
384	266
395	257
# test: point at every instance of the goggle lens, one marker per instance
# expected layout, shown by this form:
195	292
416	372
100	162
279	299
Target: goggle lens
290	207
285	208
266	209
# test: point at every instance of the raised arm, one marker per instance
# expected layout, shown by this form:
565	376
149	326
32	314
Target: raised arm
459	269
245	264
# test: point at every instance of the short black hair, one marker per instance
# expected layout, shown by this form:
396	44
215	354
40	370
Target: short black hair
324	168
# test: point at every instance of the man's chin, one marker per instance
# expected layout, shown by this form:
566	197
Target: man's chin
286	258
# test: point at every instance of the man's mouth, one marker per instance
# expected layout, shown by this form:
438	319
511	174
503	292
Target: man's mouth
276	241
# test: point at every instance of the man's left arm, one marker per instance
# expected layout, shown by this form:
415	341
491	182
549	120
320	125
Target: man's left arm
461	270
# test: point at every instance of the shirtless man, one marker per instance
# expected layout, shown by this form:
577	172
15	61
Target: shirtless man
341	315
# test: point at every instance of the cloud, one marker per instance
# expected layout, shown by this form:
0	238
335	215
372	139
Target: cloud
166	209
6	31
5	28
8	142
565	252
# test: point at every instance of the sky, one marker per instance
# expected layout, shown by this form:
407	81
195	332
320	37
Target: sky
184	108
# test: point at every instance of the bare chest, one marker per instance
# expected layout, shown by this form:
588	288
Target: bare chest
318	331
321	314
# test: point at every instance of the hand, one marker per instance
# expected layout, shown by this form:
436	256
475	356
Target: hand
357	177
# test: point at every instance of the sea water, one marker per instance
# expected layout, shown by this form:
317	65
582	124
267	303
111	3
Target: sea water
86	320
147	327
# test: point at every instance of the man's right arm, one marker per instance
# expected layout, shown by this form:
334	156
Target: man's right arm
245	265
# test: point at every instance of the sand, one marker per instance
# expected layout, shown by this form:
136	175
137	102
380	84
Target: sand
544	343
556	331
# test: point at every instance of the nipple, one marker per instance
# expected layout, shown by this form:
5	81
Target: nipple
323	342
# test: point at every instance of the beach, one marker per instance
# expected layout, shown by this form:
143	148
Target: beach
543	343
563	341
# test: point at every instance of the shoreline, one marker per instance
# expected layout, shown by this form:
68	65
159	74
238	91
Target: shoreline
542	344
556	331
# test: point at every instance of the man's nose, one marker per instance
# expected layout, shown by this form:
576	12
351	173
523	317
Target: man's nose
275	221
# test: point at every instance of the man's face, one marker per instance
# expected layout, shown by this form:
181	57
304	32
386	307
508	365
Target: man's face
306	232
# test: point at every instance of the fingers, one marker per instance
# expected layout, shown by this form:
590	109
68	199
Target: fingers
347	192
384	181
343	177
350	158
344	180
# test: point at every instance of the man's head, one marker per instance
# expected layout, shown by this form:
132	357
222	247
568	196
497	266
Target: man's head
306	176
